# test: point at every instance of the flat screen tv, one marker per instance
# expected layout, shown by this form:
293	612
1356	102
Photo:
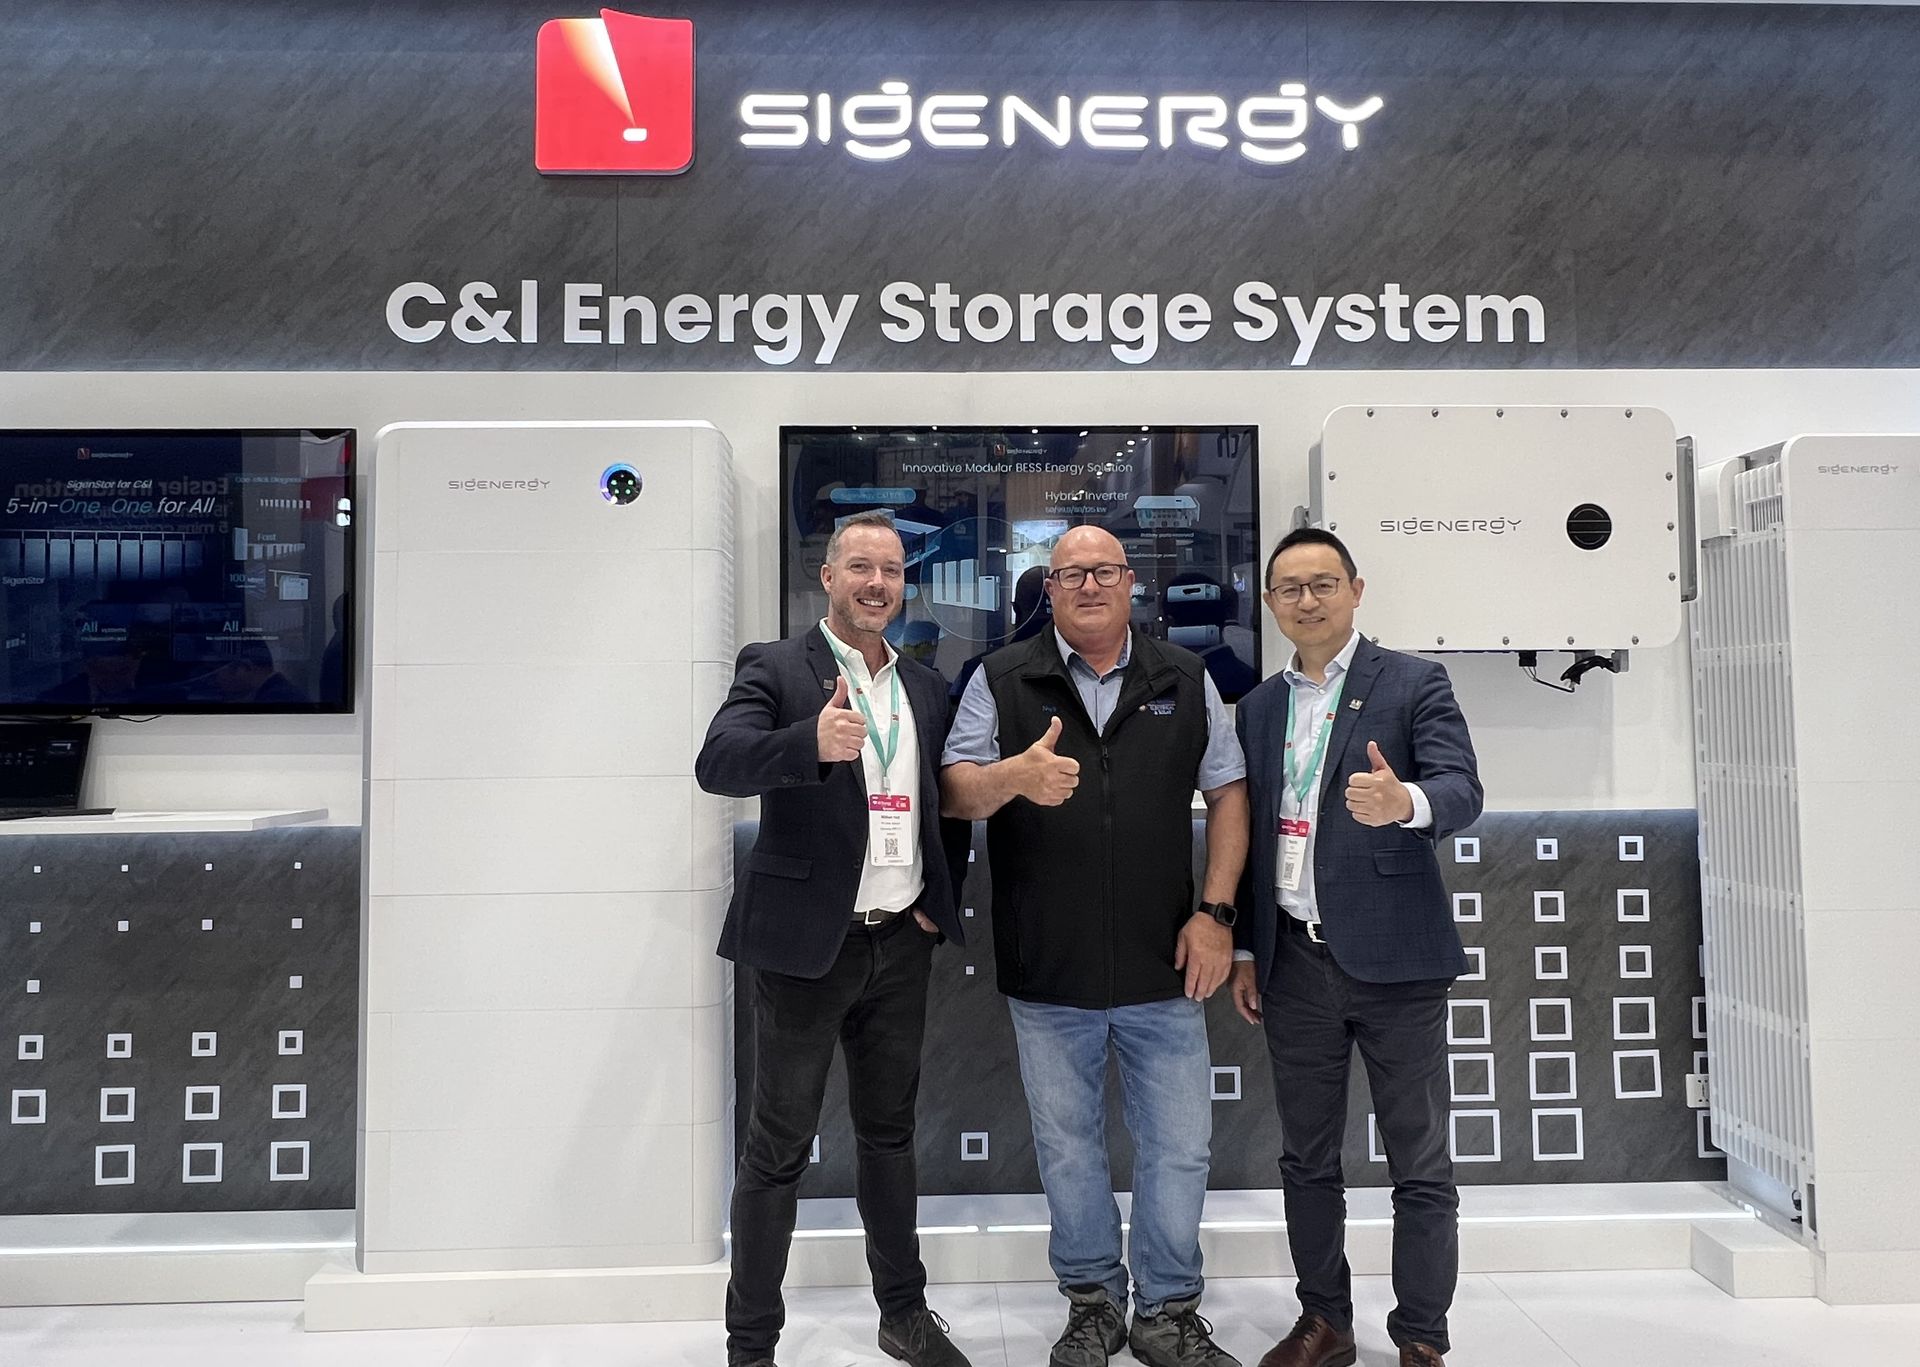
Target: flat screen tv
979	509
176	571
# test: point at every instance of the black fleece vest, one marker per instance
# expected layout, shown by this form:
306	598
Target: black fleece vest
1089	897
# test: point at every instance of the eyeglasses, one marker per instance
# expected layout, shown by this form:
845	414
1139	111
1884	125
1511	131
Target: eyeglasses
1073	576
1323	588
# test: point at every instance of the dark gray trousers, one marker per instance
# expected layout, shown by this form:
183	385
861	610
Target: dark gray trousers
1315	1015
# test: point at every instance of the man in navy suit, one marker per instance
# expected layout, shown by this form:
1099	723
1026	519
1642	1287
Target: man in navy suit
1357	761
844	895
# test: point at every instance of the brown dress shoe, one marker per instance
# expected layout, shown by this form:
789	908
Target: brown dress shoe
1314	1342
1420	1355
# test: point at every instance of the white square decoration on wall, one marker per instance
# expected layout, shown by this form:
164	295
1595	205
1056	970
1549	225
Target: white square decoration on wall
29	1107
1636	961
1550	905
1470	1077
1466	906
1469	1021
1554	1139
1546	848
1226	1082
116	1105
1475	1141
293	1041
1476	964
1636	1074
975	1145
287	1161
1633	849
1552	1077
1633	1018
1466	849
290	1101
1632	904
1549	961
203	1103
206	1043
1550	1018
113	1165
120	1045
202	1162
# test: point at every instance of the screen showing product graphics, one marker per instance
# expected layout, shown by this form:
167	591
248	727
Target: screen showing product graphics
176	571
979	510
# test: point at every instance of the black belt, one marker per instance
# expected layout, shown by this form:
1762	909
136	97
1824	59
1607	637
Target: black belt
876	923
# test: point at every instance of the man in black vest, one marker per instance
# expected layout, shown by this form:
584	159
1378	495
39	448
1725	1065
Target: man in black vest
844	895
1081	748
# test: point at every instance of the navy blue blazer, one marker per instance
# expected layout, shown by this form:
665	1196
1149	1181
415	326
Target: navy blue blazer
792	902
1385	913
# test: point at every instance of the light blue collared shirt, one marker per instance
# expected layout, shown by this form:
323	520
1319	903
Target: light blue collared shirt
1309	715
975	738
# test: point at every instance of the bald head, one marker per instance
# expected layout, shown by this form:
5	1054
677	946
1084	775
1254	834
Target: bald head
1088	546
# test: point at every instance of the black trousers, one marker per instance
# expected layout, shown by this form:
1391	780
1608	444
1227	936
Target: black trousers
1315	1014
873	1004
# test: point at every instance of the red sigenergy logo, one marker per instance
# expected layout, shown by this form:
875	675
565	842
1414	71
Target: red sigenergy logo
614	96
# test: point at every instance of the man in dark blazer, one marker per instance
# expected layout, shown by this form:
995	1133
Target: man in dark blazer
844	896
1358	759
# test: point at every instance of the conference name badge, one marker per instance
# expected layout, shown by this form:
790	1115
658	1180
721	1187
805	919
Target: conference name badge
1291	856
890	830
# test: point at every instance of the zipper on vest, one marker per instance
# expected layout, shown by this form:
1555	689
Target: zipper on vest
1106	830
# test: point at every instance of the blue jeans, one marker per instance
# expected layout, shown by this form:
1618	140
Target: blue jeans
1166	1087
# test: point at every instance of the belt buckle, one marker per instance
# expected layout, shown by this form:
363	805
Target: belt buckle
873	916
1313	933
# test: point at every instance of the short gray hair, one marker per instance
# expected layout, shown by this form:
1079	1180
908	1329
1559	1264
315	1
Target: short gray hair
872	517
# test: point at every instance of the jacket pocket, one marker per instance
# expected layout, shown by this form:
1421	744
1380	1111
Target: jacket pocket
1396	863
778	865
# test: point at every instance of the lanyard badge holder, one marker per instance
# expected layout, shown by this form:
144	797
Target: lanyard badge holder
890	825
1301	774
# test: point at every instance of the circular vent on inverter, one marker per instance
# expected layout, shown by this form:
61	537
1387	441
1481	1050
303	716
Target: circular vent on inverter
1589	526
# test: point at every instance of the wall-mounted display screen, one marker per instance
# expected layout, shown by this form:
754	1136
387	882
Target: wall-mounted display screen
176	571
980	508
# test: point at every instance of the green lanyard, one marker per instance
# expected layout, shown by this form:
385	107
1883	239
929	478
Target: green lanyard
890	747
1301	781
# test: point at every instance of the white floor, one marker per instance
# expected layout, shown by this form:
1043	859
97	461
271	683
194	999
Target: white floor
1534	1319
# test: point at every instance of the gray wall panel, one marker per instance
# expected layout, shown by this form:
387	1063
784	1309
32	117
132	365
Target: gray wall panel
970	1081
208	184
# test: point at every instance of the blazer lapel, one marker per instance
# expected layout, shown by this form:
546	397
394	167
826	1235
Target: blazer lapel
1349	724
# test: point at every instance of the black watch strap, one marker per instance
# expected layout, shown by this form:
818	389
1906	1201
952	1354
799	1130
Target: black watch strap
1223	912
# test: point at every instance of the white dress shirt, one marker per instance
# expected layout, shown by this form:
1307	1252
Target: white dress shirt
890	887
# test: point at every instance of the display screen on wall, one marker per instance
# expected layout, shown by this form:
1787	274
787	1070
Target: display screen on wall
980	508
176	571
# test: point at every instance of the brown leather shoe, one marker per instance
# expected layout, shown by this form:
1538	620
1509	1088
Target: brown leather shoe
1314	1342
1420	1355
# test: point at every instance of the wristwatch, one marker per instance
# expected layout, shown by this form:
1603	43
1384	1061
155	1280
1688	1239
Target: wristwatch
1223	912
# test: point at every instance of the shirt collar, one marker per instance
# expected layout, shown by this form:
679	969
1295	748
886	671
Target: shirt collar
1337	666
1068	654
848	654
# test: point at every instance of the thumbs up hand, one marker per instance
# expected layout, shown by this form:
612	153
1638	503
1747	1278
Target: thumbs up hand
1049	778
1378	797
840	732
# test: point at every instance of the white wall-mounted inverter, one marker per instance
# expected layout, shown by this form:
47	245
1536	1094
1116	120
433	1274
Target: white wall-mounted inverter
1510	528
